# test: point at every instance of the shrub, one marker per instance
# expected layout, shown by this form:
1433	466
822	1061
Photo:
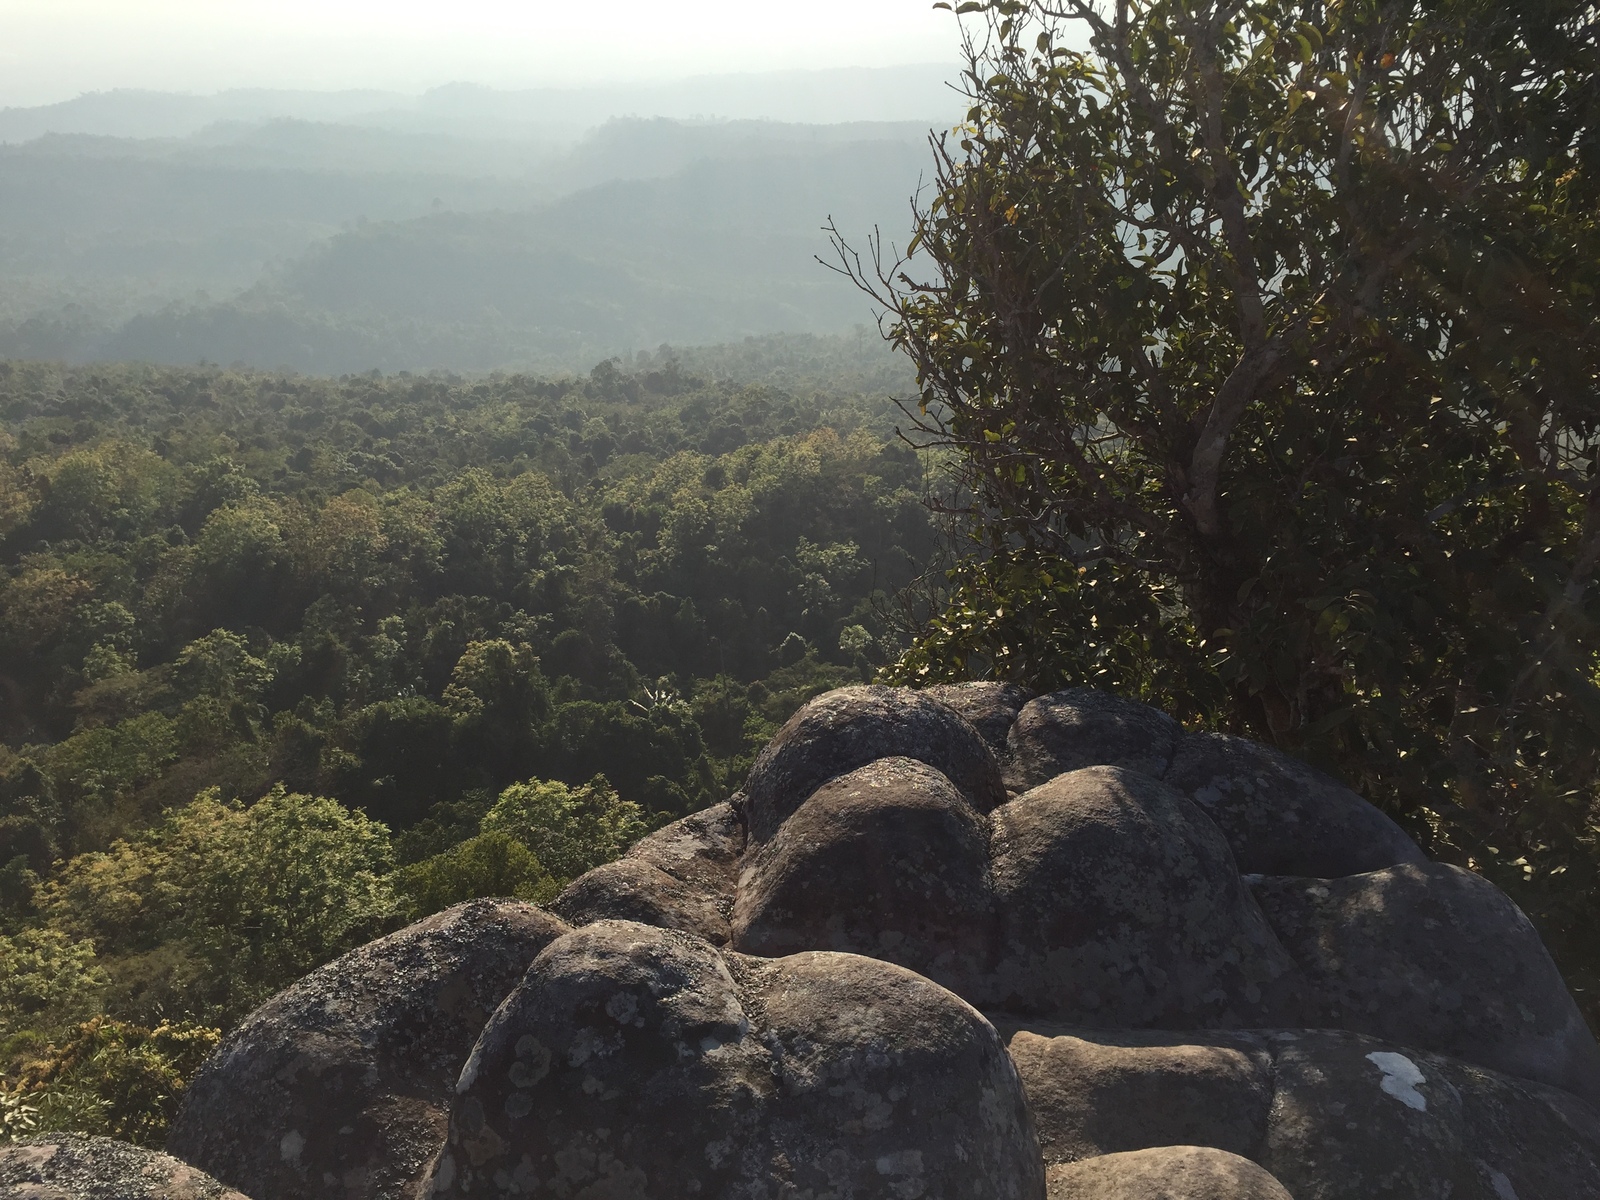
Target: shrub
569	830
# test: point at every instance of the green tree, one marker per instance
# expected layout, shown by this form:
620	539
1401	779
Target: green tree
1264	336
569	829
47	980
253	897
490	864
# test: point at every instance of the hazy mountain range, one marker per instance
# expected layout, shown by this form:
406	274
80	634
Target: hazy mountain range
461	229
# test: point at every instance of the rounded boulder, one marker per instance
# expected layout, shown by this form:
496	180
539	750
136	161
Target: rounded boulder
889	861
1120	906
1165	1173
1108	1092
989	707
1282	816
851	727
635	1061
1439	958
1084	727
339	1086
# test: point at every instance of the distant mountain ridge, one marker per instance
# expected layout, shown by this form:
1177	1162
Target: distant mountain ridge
901	93
333	248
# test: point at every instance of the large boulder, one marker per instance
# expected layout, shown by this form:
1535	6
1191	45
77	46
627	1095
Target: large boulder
1332	1115
989	707
632	889
683	876
1083	727
339	1086
634	1061
1165	1173
1120	905
1103	897
1108	1092
889	861
849	728
1356	1118
68	1166
702	850
1282	816
1439	958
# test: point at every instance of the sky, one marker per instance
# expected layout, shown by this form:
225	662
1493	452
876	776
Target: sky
52	50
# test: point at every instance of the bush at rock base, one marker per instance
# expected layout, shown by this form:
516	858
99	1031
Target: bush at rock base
112	1078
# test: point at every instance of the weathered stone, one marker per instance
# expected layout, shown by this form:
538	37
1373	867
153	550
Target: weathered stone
1120	907
1082	727
701	850
1095	1092
1165	1173
888	861
339	1086
631	889
634	1061
849	728
683	876
1333	1115
1438	958
67	1166
1282	816
990	708
1355	1118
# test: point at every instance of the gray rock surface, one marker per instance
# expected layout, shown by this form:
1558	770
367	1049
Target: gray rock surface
631	889
1120	905
1084	727
1332	1115
889	861
990	708
1282	816
1110	1091
702	850
1102	897
849	728
67	1166
634	1061
1356	1118
683	876
1165	1173
339	1086
1438	958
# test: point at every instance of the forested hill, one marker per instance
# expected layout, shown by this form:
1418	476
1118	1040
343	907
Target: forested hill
328	248
403	595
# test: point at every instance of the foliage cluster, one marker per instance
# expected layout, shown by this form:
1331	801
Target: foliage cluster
108	1078
1266	334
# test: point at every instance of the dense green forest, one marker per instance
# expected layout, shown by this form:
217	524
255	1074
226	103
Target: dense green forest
288	662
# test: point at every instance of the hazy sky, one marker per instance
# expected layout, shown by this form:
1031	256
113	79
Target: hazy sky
55	49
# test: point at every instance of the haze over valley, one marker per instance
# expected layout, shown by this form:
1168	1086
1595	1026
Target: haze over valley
464	228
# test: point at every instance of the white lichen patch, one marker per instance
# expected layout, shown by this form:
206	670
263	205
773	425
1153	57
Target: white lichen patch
1502	1186
1400	1078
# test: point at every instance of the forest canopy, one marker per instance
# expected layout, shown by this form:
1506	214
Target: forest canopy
289	662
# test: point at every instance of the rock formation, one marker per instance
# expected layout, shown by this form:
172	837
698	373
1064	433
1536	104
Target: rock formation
338	1086
67	1166
957	942
636	1061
